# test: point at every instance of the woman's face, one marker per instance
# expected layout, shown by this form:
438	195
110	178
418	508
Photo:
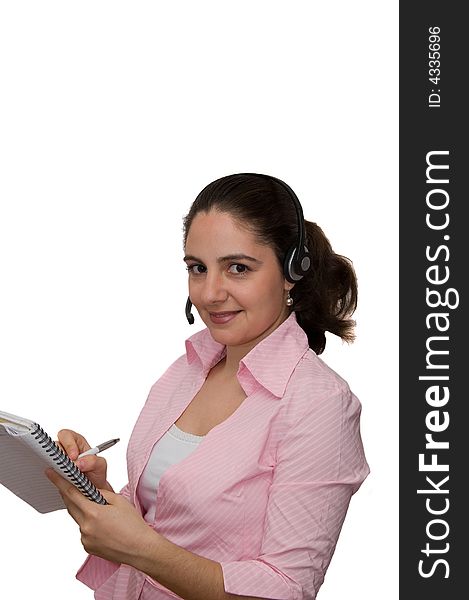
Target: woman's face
235	283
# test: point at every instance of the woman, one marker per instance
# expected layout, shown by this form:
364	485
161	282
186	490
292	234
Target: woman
245	456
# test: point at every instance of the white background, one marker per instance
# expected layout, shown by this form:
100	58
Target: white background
114	115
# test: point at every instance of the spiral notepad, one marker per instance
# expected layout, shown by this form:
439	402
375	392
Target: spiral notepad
26	450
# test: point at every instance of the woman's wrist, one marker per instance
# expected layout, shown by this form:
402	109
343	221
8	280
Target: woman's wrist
186	574
144	556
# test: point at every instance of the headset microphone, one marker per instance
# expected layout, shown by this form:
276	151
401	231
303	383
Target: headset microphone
189	315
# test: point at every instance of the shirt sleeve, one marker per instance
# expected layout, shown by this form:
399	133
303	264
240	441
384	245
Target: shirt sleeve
320	464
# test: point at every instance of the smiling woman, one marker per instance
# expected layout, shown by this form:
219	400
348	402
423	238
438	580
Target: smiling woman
240	302
245	456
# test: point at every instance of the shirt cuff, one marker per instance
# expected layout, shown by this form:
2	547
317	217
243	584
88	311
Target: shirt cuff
257	578
95	571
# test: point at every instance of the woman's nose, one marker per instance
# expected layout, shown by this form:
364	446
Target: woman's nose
214	289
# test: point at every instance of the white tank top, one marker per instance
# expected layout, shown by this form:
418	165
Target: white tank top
171	448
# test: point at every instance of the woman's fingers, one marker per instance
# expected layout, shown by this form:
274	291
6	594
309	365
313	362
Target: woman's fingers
94	466
72	498
72	443
90	463
96	469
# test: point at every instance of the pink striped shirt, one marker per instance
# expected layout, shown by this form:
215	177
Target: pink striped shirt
266	492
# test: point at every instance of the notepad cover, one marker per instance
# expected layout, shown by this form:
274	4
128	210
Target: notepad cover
22	472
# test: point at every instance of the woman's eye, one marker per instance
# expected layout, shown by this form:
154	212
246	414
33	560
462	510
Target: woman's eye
234	269
194	269
238	269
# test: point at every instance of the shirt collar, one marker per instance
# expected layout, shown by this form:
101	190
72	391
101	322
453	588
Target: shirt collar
271	362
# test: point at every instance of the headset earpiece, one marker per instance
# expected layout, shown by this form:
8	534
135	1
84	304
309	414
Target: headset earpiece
295	268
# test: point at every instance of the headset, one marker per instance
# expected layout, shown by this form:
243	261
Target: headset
297	261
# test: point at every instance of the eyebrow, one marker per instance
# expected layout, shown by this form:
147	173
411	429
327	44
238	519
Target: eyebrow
227	258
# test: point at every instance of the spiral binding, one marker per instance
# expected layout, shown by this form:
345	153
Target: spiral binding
65	464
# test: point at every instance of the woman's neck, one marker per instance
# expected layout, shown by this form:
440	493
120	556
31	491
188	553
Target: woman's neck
229	365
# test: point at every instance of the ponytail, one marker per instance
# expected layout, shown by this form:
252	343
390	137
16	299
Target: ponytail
325	299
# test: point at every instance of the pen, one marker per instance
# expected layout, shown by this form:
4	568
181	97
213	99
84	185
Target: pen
99	448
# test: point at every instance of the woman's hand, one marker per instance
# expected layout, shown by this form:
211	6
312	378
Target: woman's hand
115	531
94	466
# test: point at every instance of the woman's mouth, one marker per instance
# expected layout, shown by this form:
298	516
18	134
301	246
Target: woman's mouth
219	318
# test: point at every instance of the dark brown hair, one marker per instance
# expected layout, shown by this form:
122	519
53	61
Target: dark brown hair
326	297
